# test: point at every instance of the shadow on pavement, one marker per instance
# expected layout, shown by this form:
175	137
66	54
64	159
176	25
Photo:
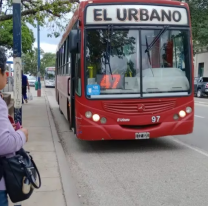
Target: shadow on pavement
128	146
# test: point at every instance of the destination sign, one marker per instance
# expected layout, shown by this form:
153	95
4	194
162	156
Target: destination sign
136	14
51	68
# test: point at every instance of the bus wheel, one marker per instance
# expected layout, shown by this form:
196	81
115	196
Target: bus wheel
199	93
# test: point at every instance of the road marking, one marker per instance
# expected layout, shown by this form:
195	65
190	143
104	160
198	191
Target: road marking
199	116
199	104
190	147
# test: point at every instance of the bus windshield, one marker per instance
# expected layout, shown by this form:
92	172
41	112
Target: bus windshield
50	75
135	63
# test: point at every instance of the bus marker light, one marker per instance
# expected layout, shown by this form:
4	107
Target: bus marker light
103	120
182	113
188	110
88	114
96	117
175	117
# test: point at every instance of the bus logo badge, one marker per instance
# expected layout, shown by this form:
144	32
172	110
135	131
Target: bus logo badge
140	107
123	120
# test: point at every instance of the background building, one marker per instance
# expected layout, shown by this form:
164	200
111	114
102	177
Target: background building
201	63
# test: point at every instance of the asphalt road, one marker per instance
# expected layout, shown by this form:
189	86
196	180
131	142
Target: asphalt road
169	171
199	138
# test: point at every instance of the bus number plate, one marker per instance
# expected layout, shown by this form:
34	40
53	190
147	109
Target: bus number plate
142	135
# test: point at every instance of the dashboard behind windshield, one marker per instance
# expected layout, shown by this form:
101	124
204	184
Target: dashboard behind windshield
50	75
121	63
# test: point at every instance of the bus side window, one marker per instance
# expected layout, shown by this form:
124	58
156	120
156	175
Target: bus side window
68	67
78	75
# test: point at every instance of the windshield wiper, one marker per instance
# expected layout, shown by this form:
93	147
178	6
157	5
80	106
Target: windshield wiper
155	39
108	47
148	54
149	46
147	51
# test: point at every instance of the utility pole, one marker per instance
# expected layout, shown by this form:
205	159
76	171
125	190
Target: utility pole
17	53
39	83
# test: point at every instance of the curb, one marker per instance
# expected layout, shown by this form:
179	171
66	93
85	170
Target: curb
69	189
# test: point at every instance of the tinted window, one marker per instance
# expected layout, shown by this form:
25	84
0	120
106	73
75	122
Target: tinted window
205	79
78	75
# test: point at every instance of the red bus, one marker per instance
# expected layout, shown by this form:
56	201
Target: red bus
124	70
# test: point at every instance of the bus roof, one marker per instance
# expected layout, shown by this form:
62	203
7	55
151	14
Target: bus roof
84	3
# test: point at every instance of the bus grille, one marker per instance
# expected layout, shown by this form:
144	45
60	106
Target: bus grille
139	107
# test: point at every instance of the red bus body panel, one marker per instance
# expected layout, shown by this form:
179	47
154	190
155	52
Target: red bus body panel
87	129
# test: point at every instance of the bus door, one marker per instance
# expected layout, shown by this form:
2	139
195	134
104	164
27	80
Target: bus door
75	88
72	94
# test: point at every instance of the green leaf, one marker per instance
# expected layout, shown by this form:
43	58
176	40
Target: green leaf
45	12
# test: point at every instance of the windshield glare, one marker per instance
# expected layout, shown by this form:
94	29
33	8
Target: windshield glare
50	75
31	78
114	67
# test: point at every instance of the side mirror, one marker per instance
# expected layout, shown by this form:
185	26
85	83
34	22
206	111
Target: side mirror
74	41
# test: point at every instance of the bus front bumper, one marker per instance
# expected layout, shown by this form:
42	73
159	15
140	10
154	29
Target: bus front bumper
117	132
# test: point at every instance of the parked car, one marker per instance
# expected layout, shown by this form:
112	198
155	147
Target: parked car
31	80
201	86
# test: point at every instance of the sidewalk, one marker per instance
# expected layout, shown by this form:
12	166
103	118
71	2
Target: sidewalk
48	154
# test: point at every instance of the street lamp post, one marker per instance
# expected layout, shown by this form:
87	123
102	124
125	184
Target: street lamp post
38	41
17	53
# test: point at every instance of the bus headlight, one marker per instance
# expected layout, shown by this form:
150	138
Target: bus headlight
182	113
88	114
188	110
103	120
96	117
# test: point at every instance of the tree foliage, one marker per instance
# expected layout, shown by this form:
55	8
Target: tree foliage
49	13
53	15
6	36
48	60
30	61
199	21
101	41
103	45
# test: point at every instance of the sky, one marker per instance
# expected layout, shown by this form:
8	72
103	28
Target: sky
47	44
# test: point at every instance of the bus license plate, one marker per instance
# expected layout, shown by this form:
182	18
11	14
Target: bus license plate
142	135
